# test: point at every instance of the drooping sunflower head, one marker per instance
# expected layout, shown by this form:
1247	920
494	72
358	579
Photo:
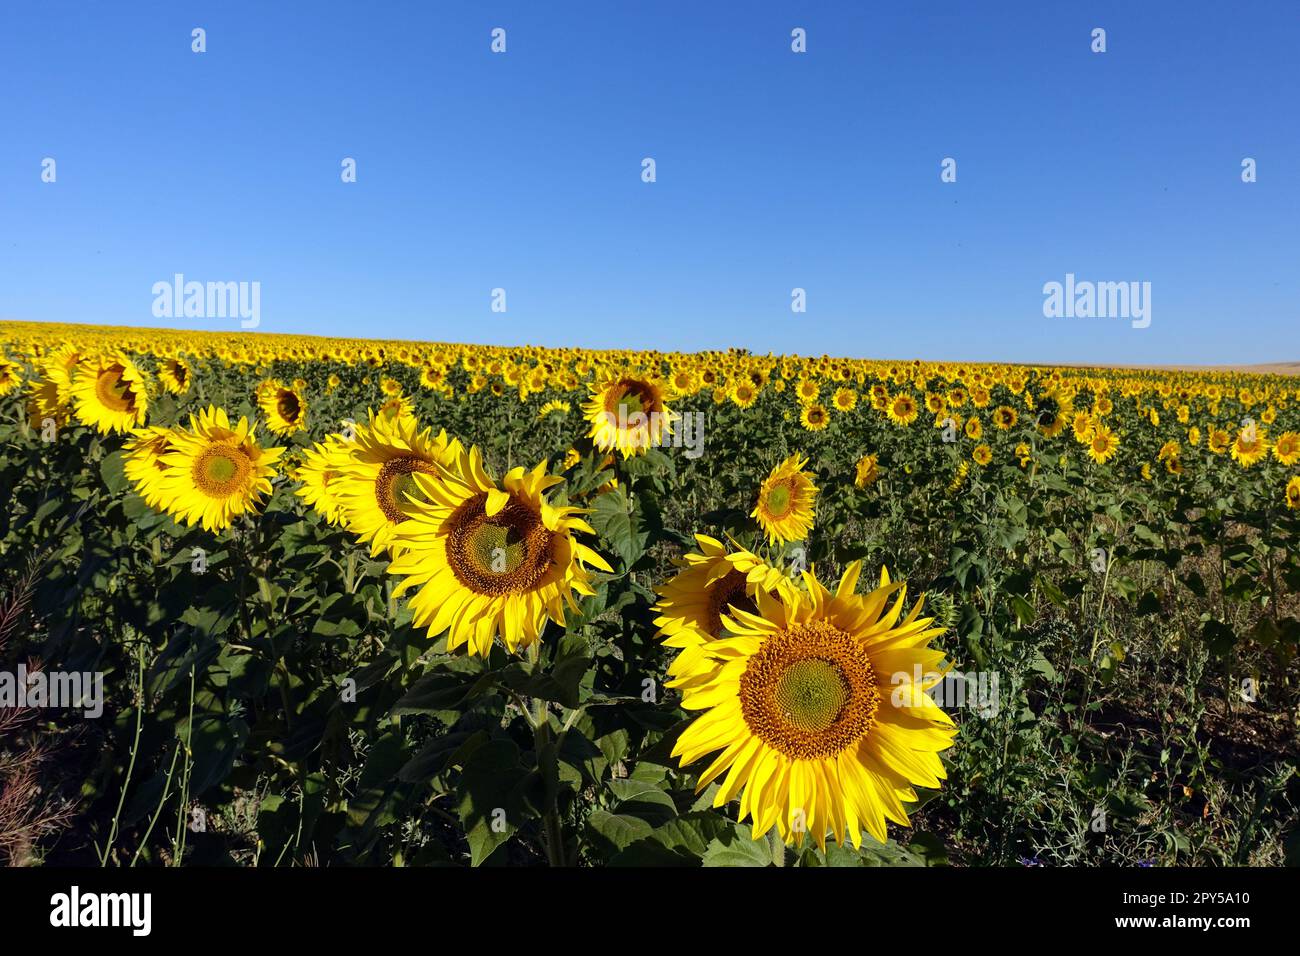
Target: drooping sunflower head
376	487
284	407
110	394
1292	493
628	413
867	471
786	501
818	703
214	471
491	560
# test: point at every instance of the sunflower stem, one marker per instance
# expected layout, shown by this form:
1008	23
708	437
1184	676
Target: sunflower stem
552	831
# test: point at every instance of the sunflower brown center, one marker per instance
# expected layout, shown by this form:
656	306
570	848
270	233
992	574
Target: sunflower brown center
725	594
810	692
394	483
505	553
113	391
632	396
288	406
221	470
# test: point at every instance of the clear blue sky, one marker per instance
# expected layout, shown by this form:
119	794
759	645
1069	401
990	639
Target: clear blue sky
775	170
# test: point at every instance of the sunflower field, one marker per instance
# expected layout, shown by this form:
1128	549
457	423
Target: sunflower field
394	603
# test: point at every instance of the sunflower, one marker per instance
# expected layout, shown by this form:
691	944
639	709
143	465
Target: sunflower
11	376
818	705
710	583
144	466
683	383
398	408
902	410
1103	444
1249	446
1218	441
1053	412
44	404
559	409
110	394
285	409
982	455
175	375
1293	493
1005	417
866	471
319	473
628	413
814	417
1082	426
491	560
807	390
974	430
785	501
376	476
214	471
743	393
844	399
1287	448
432	376
959	477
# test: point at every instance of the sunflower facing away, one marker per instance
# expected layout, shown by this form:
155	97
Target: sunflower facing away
818	706
376	476
215	471
110	394
785	501
491	560
629	414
